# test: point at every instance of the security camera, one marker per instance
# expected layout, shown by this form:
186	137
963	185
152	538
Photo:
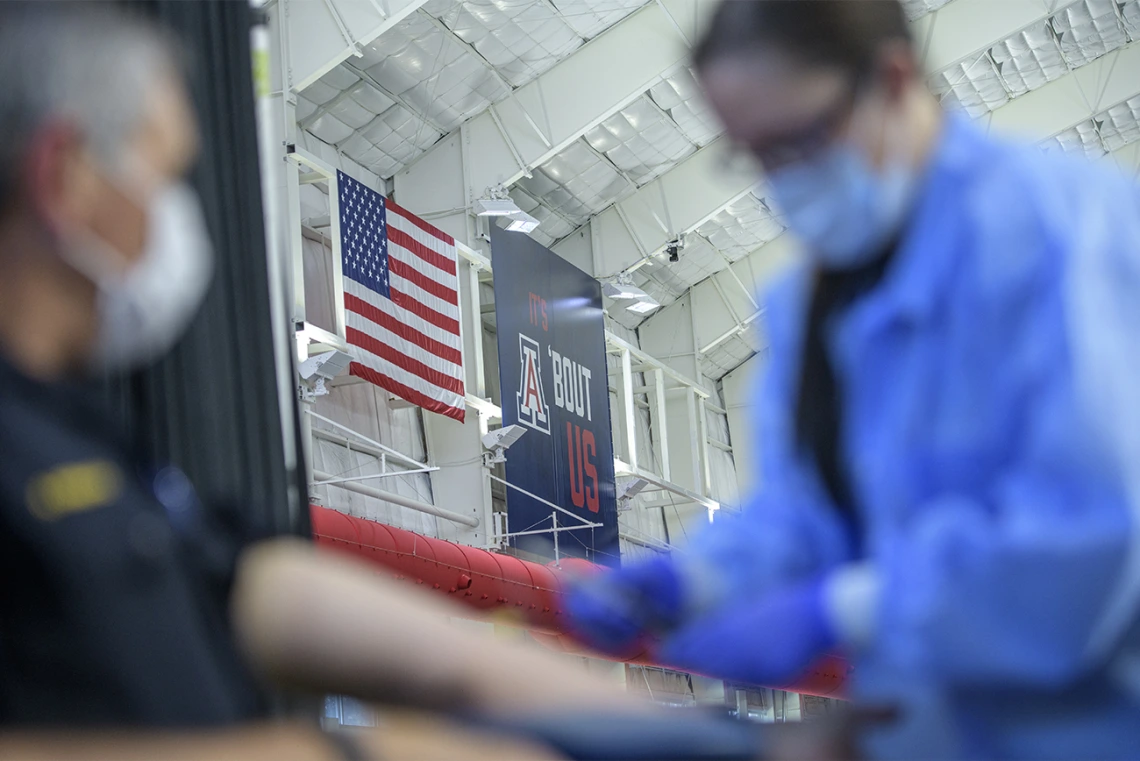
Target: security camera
499	441
630	490
320	368
503	437
674	248
326	365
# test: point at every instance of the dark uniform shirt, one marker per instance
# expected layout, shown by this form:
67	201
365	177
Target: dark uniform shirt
114	582
819	407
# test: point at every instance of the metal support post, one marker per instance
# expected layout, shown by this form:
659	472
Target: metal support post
477	378
629	408
742	705
705	485
554	522
694	443
662	426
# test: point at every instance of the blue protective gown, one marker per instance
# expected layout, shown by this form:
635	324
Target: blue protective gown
991	388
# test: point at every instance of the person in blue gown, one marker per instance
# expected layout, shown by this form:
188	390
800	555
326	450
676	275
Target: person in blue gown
949	424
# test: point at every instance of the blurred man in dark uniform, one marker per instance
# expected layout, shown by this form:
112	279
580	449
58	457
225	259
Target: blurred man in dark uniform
123	602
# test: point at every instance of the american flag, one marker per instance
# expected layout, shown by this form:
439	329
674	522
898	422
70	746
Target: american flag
401	300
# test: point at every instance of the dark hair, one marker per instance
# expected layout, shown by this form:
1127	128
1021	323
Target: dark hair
841	34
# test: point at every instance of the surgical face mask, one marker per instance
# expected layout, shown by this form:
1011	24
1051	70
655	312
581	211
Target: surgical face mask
145	309
842	208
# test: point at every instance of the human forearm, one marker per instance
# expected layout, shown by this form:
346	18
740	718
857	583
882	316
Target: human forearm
317	620
400	737
247	744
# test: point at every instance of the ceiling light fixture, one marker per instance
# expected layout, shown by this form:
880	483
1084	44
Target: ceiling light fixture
644	306
521	222
618	291
495	207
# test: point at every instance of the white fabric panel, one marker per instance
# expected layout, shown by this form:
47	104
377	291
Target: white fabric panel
305	108
330	129
742	227
398	136
432	71
552	227
1083	139
973	86
641	140
520	38
576	182
1120	125
680	95
1130	13
589	18
1088	29
1029	59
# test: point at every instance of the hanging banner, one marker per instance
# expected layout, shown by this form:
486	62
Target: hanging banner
552	372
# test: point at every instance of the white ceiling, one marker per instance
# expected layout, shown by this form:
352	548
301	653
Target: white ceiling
450	60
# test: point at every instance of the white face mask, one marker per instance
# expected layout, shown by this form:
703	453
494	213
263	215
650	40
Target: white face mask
143	311
841	207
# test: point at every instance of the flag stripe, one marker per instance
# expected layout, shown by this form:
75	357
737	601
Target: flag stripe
398	267
403	361
413	396
413	321
404	378
435	318
434	303
406	353
355	306
397	237
427	227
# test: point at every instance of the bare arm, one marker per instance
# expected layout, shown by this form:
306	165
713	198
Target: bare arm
316	620
408	736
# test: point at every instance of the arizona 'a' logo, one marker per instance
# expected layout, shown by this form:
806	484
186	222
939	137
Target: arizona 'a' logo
533	411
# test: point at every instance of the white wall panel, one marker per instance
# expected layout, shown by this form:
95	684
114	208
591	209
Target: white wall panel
713	315
1128	159
668	337
319	300
437	186
578	250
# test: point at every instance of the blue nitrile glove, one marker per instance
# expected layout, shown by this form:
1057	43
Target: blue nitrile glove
612	611
769	642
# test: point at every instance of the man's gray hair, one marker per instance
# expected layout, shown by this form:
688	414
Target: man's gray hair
86	63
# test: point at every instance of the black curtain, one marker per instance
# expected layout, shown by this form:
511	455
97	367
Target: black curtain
212	406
